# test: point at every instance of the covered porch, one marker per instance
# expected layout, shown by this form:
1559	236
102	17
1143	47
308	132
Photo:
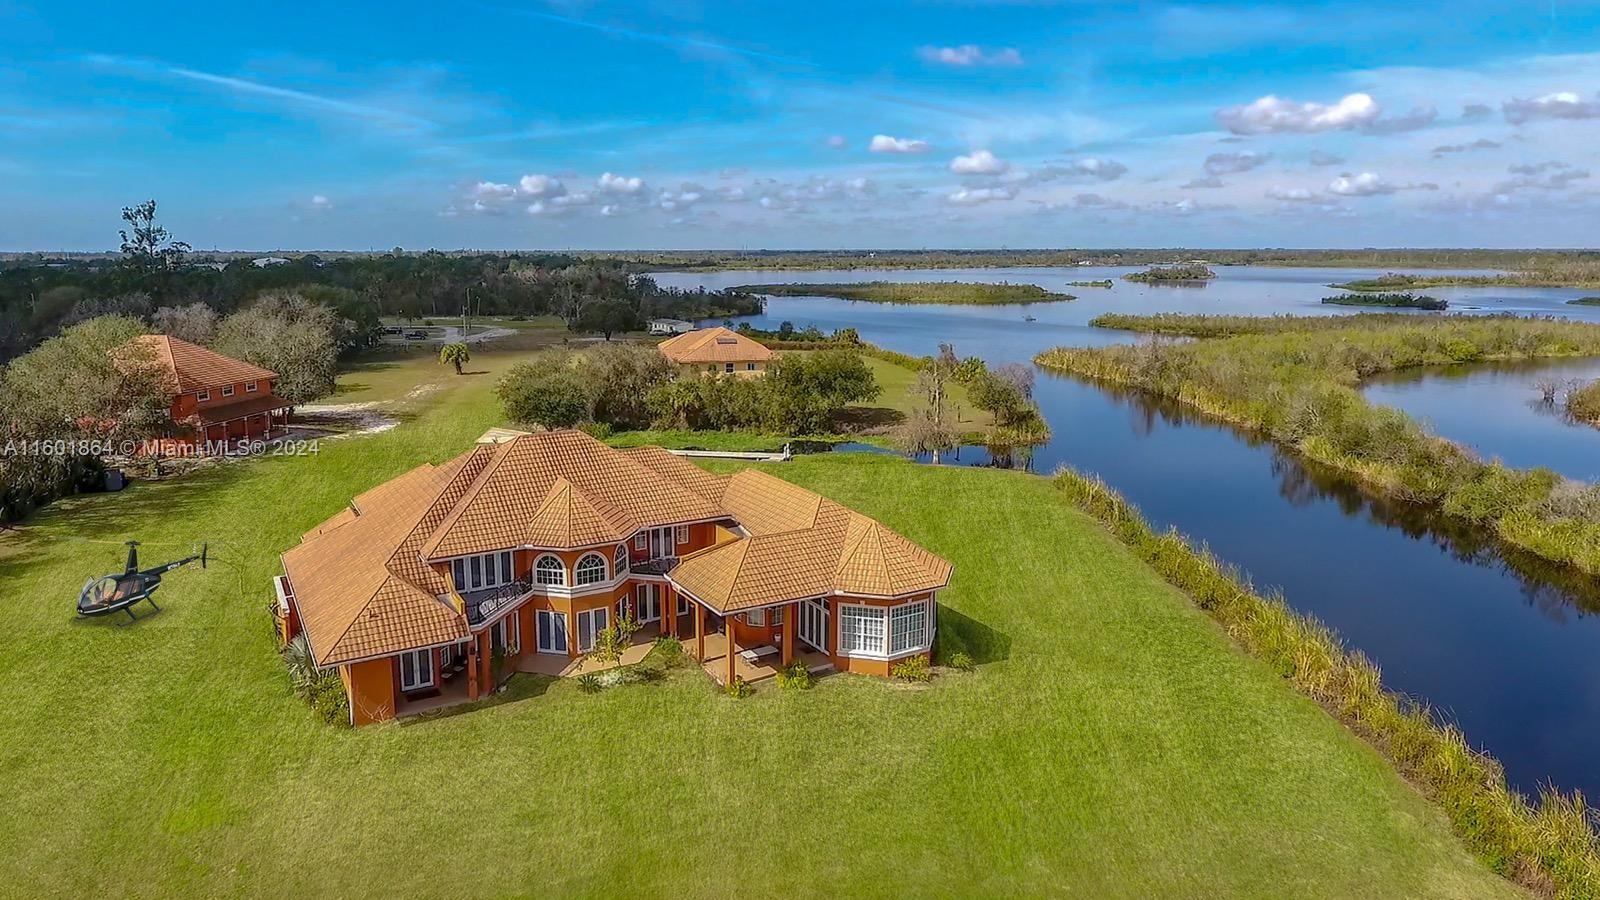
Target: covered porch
754	664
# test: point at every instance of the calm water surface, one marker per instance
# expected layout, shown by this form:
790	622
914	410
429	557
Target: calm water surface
1500	643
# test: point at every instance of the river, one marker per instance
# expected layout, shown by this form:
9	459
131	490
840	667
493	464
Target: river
1499	643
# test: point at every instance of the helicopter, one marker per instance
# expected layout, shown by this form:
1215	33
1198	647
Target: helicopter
116	593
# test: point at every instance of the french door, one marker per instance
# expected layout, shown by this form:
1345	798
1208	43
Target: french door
660	542
416	670
814	624
552	627
647	603
590	623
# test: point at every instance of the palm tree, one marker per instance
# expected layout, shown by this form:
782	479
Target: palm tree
455	354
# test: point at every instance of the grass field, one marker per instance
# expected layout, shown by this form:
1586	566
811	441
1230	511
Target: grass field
1111	743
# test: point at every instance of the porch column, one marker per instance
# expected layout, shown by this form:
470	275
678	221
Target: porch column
486	677
727	626
669	612
790	617
472	671
699	632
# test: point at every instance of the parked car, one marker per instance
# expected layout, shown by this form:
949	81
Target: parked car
416	335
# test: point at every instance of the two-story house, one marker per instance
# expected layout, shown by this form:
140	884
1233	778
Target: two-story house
433	587
216	398
716	351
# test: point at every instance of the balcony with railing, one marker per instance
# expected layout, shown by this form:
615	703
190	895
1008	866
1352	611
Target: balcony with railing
486	603
661	565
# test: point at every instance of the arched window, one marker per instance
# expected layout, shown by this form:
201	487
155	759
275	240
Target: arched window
591	569
621	560
548	570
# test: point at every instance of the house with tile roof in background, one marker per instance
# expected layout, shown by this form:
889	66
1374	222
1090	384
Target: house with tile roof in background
216	398
716	351
435	587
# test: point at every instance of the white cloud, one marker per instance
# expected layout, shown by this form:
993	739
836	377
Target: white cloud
973	196
969	55
610	209
979	162
617	184
836	141
1366	184
1103	169
1419	117
1291	195
883	143
1561	105
1230	163
490	191
540	186
1273	115
318	201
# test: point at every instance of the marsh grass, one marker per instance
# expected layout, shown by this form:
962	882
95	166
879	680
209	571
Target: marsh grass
1548	845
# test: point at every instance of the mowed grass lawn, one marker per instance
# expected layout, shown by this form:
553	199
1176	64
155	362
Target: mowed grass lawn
1111	743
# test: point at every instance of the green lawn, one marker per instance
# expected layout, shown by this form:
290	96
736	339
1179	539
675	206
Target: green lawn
1111	743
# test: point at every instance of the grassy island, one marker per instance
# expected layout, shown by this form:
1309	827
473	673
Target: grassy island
1390	300
1583	403
1584	301
1102	283
1295	380
1179	272
945	292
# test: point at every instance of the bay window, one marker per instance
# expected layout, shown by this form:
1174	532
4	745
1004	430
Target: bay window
549	571
885	631
591	569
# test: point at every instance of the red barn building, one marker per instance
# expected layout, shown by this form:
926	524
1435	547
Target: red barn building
216	398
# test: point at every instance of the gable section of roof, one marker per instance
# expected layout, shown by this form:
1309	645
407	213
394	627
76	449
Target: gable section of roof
191	367
765	504
708	345
570	518
676	468
397	617
878	561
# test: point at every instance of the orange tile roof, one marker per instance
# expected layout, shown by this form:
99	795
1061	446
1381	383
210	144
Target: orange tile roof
190	367
364	586
800	545
713	345
351	603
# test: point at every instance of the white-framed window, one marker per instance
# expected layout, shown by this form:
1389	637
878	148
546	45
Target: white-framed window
590	623
250	387
647	603
861	629
749	367
549	570
641	540
591	569
483	570
620	561
227	390
775	616
756	618
202	395
508	634
416	670
683	534
552	629
683	605
727	368
908	627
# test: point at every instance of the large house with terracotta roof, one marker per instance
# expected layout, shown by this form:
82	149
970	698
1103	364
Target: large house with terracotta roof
716	351
434	587
216	398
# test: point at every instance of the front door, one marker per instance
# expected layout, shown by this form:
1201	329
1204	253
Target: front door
552	631
814	625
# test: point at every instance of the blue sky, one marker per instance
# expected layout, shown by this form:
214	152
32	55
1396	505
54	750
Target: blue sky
818	124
